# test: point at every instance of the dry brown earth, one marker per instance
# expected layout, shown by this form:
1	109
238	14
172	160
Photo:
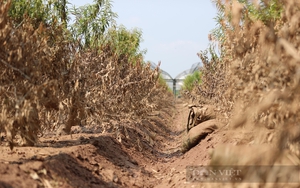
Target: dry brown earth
123	158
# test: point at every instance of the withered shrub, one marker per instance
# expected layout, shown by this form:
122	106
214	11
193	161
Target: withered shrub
256	79
48	82
255	83
211	90
263	73
111	87
32	75
213	84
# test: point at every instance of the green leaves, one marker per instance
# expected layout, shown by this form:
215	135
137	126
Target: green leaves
125	42
92	25
34	9
191	80
91	22
39	11
265	11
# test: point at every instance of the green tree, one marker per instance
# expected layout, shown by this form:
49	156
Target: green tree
125	42
91	22
191	80
39	11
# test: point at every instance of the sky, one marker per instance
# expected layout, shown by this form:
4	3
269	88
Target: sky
173	31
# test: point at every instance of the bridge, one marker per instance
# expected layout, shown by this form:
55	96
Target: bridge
176	83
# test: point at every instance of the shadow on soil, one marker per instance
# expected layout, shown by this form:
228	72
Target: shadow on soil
67	169
108	146
105	146
5	185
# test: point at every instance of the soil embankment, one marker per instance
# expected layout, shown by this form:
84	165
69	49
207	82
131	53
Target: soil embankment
127	154
119	154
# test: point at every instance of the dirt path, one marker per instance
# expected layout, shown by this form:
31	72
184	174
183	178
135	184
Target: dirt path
146	154
173	172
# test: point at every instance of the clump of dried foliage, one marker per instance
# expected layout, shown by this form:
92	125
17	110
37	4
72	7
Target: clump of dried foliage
47	81
262	59
110	87
214	85
255	82
32	73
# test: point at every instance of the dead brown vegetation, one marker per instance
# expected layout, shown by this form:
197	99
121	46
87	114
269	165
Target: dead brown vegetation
255	84
263	75
47	82
32	75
